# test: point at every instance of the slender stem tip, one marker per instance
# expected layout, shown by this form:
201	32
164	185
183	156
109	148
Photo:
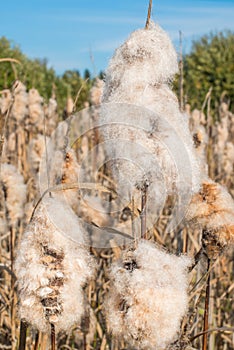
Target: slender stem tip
149	14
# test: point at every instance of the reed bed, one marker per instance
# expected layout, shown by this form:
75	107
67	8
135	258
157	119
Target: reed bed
91	290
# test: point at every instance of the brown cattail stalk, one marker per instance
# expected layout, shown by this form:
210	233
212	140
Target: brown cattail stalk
206	314
181	80
12	248
23	333
143	213
36	341
52	337
149	14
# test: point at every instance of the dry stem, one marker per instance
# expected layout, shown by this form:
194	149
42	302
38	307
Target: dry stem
149	14
23	333
143	213
52	336
206	314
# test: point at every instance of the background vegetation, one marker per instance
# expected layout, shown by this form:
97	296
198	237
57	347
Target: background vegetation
210	64
36	74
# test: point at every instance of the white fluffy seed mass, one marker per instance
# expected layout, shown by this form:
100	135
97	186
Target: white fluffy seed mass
35	151
142	115
148	296
5	100
14	190
35	109
146	57
52	267
212	206
212	209
20	106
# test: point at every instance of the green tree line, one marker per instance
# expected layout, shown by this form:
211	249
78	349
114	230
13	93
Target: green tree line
210	64
36	74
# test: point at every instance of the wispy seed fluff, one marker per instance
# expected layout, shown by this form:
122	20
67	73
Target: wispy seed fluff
14	190
35	110
20	106
138	75
63	169
148	296
5	101
146	57
212	209
51	115
96	92
35	152
52	267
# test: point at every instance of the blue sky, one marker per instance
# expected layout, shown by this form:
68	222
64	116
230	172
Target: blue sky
79	34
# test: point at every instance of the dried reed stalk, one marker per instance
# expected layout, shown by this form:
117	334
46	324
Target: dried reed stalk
10	60
149	14
143	213
52	337
36	344
23	334
181	78
206	313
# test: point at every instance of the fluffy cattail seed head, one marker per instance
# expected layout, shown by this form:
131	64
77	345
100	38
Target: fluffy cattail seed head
5	101
52	269
212	209
20	106
148	296
146	133
146	57
14	190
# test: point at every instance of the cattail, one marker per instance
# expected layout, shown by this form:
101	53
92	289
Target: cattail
63	169
52	267
212	209
145	133
148	296
51	108
69	106
35	152
20	106
146	58
223	110
228	159
5	101
35	109
51	115
96	92
222	134
200	139
14	190
197	118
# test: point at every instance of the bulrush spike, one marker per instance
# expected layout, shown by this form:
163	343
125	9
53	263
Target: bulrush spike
52	267
148	296
145	133
212	210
